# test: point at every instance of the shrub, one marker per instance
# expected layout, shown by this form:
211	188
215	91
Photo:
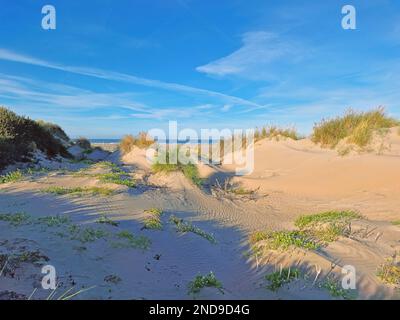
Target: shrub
54	129
20	136
279	278
142	140
358	127
201	282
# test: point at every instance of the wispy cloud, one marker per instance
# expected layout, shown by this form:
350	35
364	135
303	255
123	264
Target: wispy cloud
259	50
122	77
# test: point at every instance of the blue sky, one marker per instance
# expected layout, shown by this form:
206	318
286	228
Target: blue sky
117	67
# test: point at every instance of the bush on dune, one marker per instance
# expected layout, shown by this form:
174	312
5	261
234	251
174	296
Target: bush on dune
142	140
357	127
20	136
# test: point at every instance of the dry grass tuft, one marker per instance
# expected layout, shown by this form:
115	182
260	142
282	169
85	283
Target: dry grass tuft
142	140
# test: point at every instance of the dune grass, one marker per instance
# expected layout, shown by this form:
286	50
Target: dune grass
389	272
116	178
132	241
13	176
153	221
276	132
200	282
183	227
128	142
189	170
357	127
279	278
86	234
79	191
336	290
54	221
16	219
396	223
106	220
283	240
325	217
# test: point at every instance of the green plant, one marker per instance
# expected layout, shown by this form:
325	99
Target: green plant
87	234
184	227
13	176
201	282
326	217
79	191
105	220
132	241
279	278
389	272
116	178
153	221
283	240
16	219
54	221
336	290
396	222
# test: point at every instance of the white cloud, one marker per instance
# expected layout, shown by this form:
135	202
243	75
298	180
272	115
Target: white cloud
122	77
259	50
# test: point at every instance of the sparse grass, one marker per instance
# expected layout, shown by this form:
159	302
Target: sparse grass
336	290
16	219
163	163
201	282
54	221
396	222
86	234
13	176
116	178
153	221
325	217
106	220
283	240
184	227
358	127
276	132
132	241
389	272
279	278
79	191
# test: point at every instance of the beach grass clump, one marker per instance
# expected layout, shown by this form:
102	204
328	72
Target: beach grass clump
327	226
54	221
86	234
117	178
275	132
132	241
184	227
13	176
79	191
389	272
200	282
164	163
336	290
153	221
279	278
128	142
16	219
283	240
106	220
357	127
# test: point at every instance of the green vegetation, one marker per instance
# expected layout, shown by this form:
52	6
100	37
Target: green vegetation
283	240
153	221
184	227
79	191
201	282
54	221
336	290
357	127
389	272
20	137
396	222
326	217
13	176
279	278
16	219
86	234
106	220
164	163
132	241
116	178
